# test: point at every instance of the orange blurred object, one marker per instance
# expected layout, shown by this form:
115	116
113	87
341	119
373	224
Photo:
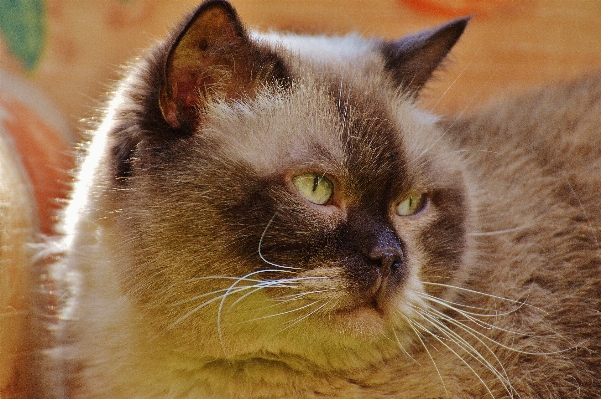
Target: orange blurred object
42	140
35	158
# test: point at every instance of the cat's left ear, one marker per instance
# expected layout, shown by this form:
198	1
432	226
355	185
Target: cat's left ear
413	59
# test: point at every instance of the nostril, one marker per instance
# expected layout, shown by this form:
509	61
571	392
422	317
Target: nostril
389	259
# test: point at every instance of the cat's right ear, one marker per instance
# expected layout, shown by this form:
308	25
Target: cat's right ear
413	59
212	37
212	59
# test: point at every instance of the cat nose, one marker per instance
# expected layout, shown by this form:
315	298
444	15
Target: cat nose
388	253
389	259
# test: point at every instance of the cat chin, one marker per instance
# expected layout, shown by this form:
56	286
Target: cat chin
359	336
339	337
332	354
338	340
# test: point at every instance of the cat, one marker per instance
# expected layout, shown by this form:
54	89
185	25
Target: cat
274	216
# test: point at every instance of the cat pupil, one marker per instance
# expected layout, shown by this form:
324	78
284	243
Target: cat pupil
316	180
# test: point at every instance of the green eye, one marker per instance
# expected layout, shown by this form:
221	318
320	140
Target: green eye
411	205
318	189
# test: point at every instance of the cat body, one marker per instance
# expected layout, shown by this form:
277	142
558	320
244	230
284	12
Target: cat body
274	216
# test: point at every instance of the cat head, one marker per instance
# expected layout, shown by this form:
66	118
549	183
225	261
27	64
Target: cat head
283	194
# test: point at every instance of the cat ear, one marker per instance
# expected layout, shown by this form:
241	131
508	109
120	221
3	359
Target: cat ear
412	59
212	58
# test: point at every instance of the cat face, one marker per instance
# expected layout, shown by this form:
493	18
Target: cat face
278	202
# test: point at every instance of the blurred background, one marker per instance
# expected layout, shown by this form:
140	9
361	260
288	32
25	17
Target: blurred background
58	58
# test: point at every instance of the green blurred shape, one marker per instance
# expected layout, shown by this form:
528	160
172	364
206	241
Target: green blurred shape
23	26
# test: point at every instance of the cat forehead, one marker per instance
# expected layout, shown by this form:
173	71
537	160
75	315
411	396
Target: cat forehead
314	124
339	88
272	129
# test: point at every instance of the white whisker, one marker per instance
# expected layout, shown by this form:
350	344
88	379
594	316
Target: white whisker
196	297
467	66
470	315
467	106
437	338
475	333
280	283
280	313
494	233
581	206
298	295
402	347
521	303
299	319
419	337
197	308
468	348
261	245
217	277
228	293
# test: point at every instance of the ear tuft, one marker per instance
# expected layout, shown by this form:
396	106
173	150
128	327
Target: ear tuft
413	59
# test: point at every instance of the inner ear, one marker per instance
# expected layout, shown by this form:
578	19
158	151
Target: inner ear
413	59
212	58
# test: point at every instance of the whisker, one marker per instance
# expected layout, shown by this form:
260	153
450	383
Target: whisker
237	279
259	250
196	297
228	293
283	283
424	329
280	313
298	295
475	333
281	302
419	337
191	299
470	349
467	66
460	305
459	115
299	319
280	283
216	277
494	233
456	307
521	303
584	212
402	347
257	288
296	279
202	305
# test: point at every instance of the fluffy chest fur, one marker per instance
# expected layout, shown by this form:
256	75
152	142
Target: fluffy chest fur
273	216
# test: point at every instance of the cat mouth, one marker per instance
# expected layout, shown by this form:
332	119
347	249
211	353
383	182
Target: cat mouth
369	317
376	300
379	298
